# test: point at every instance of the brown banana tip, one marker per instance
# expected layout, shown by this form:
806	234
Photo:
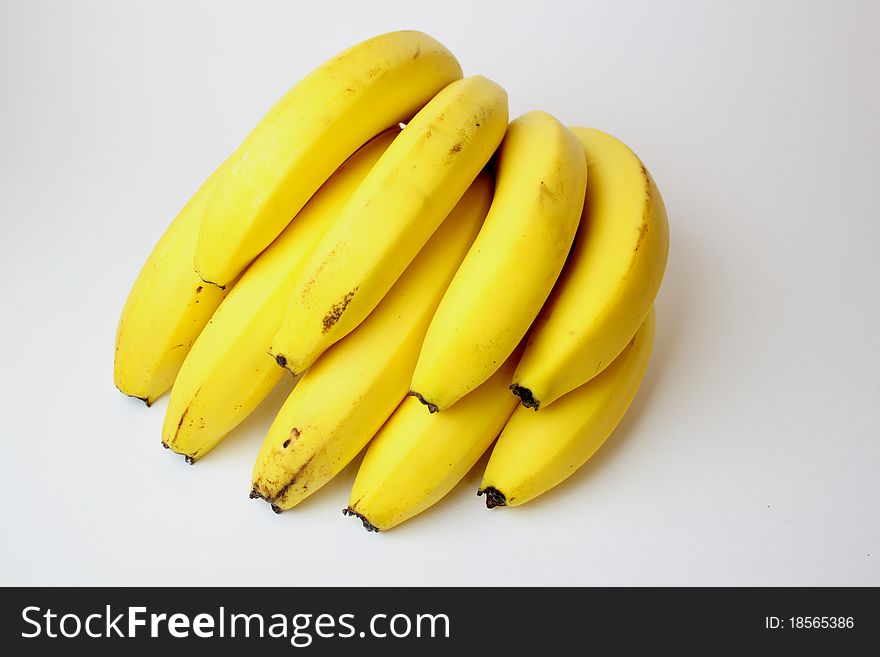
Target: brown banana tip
186	457
281	359
494	497
146	400
205	280
256	494
370	527
432	408
525	395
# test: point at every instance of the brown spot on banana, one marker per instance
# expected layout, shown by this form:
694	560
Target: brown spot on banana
180	422
294	434
293	479
643	230
337	309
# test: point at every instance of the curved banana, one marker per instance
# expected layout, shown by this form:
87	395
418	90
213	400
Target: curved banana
413	187
229	371
167	308
537	451
610	281
506	277
344	398
417	458
308	134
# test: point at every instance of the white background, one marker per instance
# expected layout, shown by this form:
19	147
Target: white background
752	453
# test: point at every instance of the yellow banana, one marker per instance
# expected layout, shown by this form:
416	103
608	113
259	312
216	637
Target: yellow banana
229	371
307	135
610	281
167	308
417	457
348	393
537	451
412	188
507	275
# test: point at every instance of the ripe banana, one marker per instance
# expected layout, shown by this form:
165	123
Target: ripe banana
167	308
229	372
412	188
506	277
537	451
610	281
307	135
344	398
417	457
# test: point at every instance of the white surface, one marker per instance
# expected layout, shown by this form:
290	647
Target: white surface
751	455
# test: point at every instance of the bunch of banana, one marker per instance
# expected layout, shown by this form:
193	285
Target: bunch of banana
433	286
